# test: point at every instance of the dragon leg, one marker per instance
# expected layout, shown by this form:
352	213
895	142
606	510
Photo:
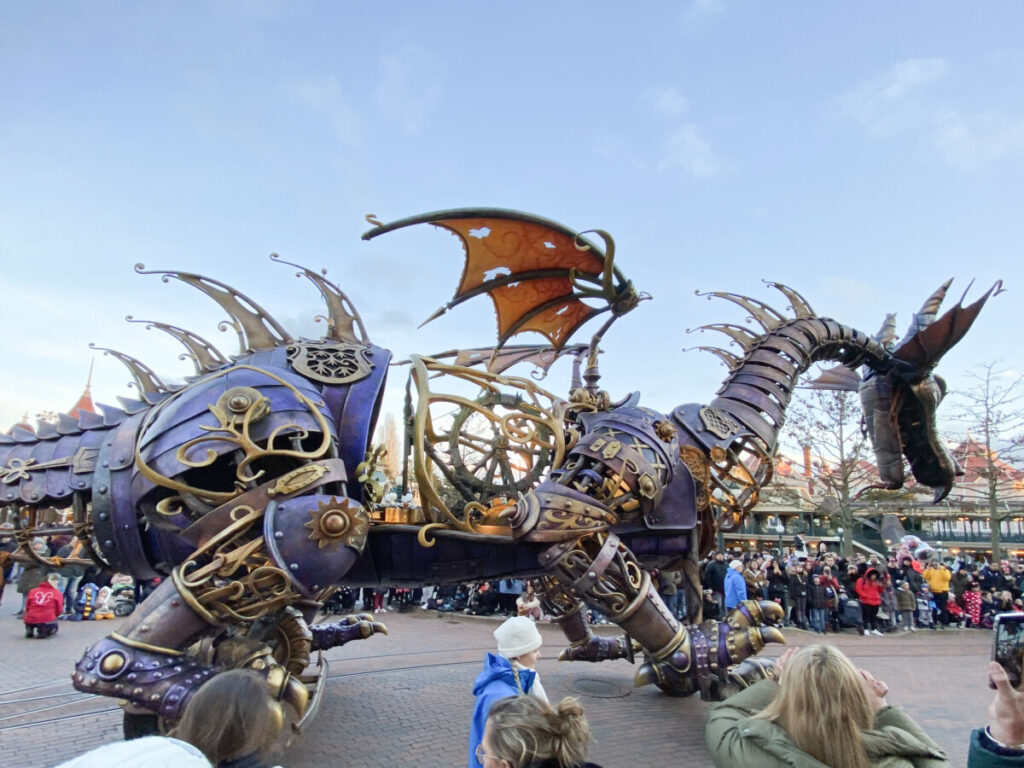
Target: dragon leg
567	612
599	569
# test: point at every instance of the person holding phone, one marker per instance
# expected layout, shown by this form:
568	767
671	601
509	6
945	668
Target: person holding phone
1000	744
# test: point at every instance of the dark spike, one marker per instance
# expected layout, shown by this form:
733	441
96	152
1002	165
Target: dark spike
145	379
342	315
204	355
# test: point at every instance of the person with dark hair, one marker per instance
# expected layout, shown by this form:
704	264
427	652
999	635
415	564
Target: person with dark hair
525	732
869	592
43	606
232	720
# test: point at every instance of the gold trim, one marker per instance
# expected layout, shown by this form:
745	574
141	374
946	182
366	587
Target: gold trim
669	648
141	646
190	599
633	607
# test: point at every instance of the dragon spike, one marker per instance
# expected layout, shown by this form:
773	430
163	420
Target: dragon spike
766	316
730	360
258	329
797	303
742	336
886	335
204	356
926	315
145	379
342	315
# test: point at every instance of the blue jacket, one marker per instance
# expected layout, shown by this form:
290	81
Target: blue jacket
494	683
735	589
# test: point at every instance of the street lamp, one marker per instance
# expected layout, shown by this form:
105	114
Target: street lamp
840	532
780	529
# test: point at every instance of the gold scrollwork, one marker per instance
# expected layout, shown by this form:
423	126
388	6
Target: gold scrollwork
531	432
233	427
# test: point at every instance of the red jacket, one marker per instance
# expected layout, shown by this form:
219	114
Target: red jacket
44	604
869	592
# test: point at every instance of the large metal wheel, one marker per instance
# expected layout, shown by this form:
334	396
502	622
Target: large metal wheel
496	448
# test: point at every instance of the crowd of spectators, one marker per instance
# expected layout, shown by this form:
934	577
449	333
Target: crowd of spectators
822	591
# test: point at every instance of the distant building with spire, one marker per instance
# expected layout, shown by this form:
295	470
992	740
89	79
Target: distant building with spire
85	401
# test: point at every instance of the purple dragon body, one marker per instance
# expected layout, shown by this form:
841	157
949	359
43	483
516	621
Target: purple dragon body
244	490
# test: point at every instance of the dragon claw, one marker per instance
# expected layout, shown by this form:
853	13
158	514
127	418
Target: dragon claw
707	655
355	627
596	648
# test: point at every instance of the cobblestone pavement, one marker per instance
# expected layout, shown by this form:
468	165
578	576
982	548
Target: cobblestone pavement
405	699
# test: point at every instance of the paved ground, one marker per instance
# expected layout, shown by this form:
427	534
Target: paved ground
405	699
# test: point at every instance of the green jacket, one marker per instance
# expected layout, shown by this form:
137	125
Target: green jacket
737	740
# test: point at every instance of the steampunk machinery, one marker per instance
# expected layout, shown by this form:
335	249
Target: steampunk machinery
246	488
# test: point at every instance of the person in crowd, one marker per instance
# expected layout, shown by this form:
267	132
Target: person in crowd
5	568
832	590
798	594
666	583
938	577
524	732
823	711
43	607
906	604
232	720
960	581
907	572
1000	744
714	579
869	593
528	604
778	585
887	610
755	579
817	604
972	605
735	586
510	672
34	574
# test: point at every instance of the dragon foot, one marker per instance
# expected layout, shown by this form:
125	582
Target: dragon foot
358	626
749	671
159	680
595	648
704	654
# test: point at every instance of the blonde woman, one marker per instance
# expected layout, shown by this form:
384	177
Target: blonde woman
823	712
525	732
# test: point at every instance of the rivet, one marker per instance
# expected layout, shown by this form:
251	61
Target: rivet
108	544
120	459
144	628
102	515
155	697
132	676
175	603
127	526
294	566
102	489
105	464
279	534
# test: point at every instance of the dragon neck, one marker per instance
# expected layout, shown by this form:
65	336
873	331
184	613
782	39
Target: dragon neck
760	384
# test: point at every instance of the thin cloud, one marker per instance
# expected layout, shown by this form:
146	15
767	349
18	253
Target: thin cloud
886	104
666	100
687	150
409	87
324	97
972	141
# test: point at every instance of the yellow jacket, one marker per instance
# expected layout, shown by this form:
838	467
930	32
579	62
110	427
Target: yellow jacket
937	578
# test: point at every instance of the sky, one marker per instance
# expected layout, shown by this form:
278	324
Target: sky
861	153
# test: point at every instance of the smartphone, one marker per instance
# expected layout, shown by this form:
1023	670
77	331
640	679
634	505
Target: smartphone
1008	645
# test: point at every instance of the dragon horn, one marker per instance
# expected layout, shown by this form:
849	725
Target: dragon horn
926	315
887	333
145	379
205	357
343	315
258	330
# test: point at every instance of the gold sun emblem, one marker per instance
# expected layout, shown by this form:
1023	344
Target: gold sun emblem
339	521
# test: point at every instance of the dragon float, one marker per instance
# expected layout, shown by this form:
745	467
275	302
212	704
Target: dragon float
248	488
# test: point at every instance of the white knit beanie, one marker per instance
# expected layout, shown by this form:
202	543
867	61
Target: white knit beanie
736	565
517	636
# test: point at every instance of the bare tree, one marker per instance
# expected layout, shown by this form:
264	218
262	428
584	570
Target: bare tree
392	448
827	422
991	411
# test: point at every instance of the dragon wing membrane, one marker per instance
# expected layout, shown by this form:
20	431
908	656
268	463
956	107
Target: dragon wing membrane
537	272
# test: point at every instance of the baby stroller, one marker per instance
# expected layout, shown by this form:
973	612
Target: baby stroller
925	617
122	598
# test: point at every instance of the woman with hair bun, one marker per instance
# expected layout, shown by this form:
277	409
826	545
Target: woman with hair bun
525	732
822	712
